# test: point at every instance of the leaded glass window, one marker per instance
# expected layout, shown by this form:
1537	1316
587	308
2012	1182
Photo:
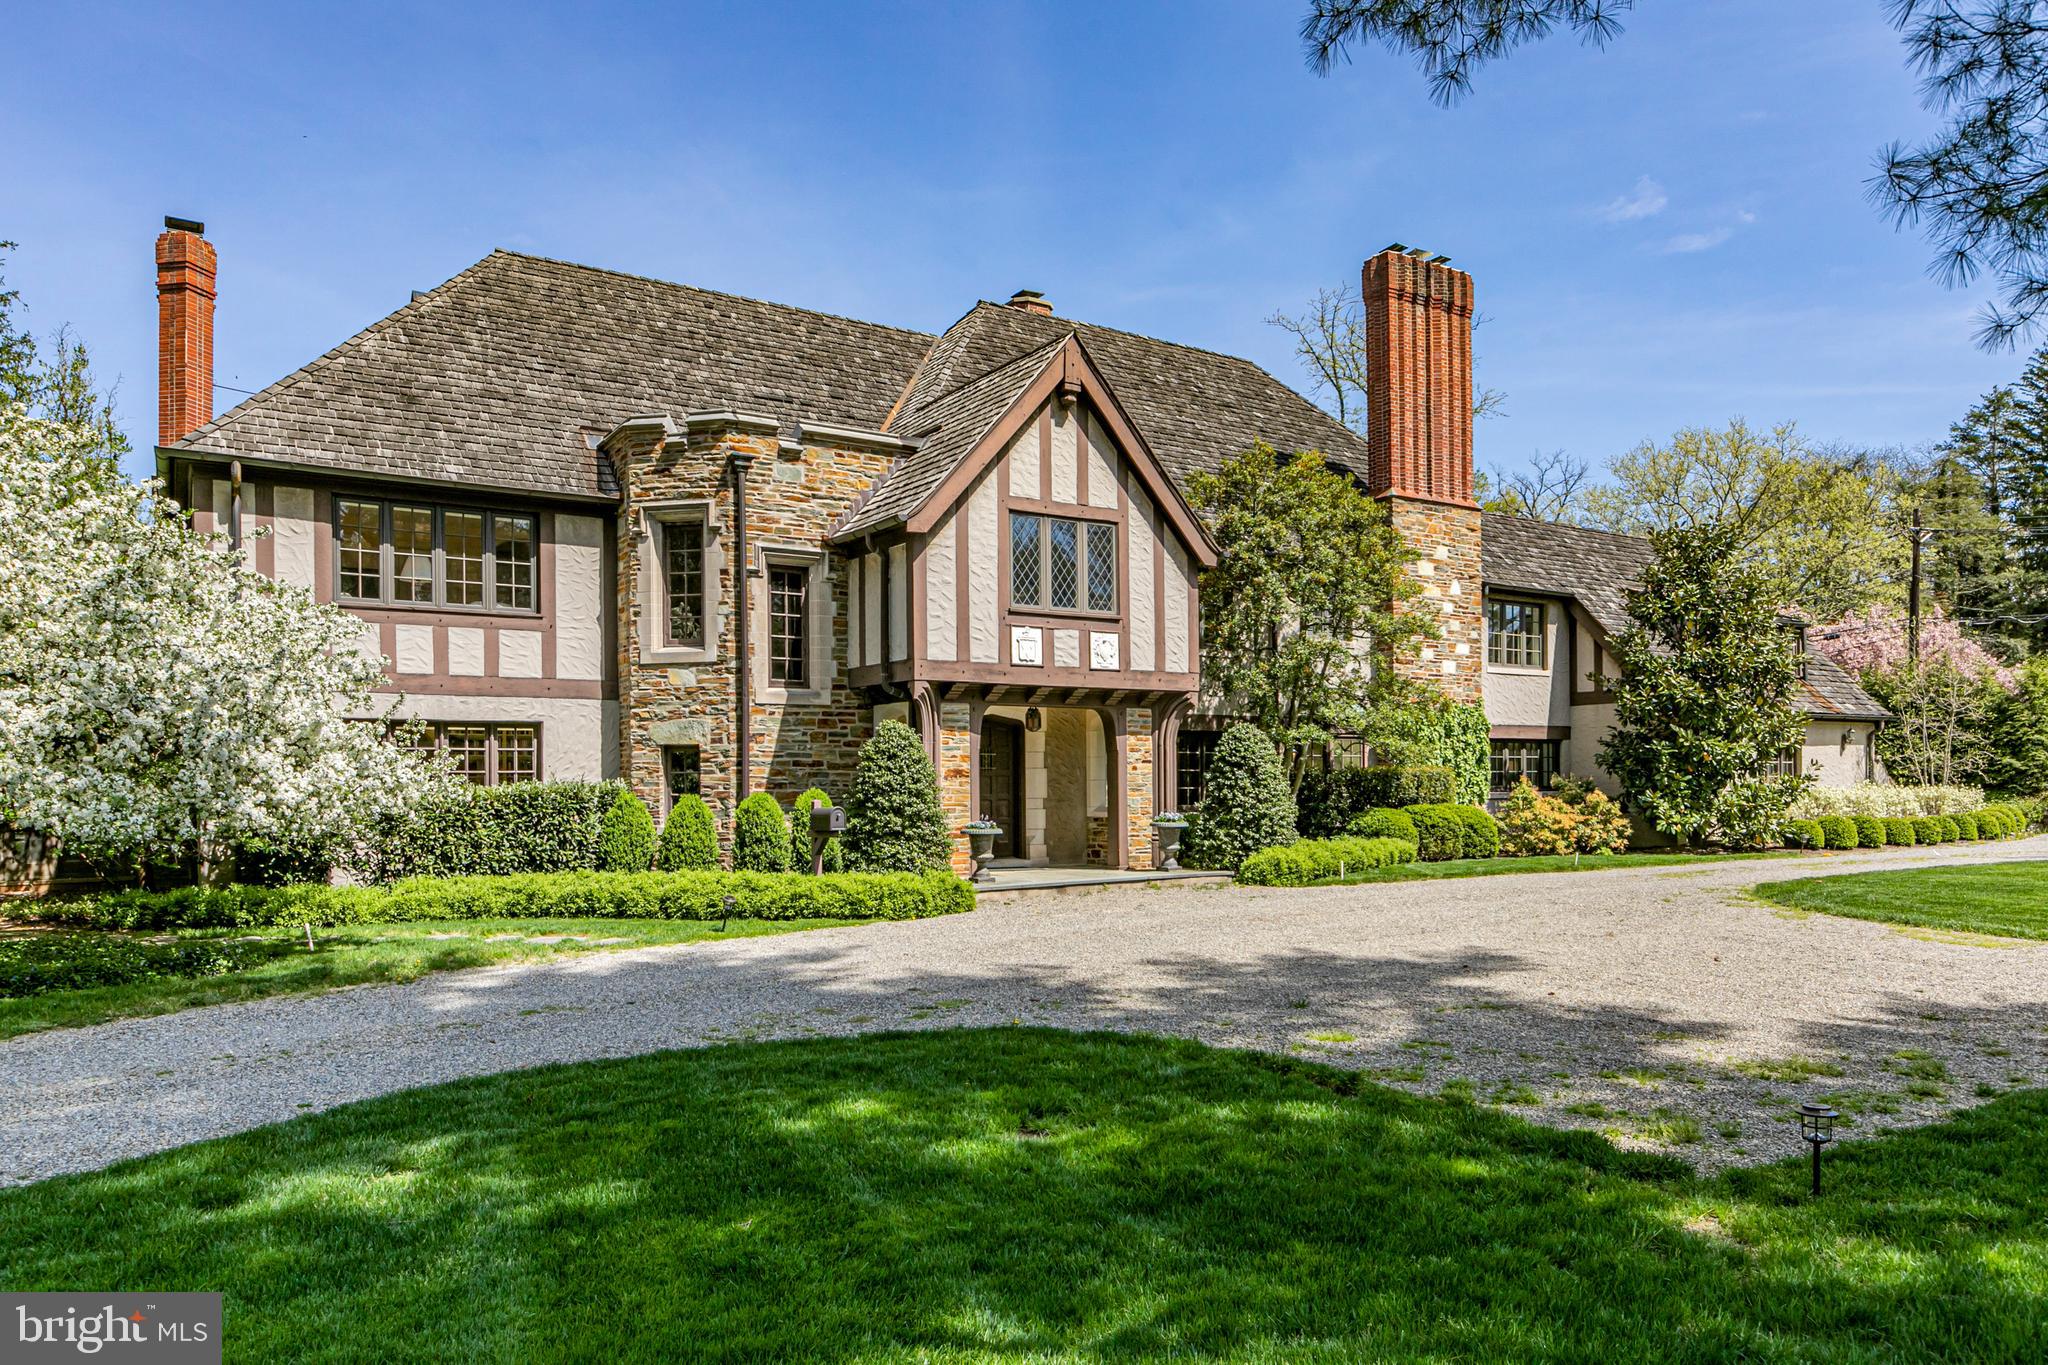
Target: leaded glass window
1063	563
1101	566
1025	566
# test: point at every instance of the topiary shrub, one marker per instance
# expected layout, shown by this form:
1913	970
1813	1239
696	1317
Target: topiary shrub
689	839
625	840
1837	831
1246	803
1927	830
1966	826
1899	831
1870	832
1439	830
800	834
1382	824
1307	861
1950	830
1993	822
1482	833
1803	834
760	835
893	819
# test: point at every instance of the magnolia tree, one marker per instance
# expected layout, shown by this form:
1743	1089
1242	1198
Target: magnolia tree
156	693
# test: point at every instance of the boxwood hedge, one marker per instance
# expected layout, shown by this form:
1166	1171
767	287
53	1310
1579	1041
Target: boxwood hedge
588	895
1318	860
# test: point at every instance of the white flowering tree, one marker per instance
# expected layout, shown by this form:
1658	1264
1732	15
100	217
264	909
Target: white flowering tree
158	694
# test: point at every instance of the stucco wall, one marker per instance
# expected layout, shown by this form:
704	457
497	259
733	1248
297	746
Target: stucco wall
577	737
1836	754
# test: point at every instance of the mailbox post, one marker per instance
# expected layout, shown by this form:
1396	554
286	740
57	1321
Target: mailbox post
826	821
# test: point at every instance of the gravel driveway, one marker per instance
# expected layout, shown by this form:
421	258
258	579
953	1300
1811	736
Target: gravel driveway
1660	1006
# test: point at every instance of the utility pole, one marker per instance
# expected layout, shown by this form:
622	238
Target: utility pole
1913	596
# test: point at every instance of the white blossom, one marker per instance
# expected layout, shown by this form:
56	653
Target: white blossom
156	690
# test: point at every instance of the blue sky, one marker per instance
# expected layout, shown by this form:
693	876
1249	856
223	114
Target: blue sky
1667	233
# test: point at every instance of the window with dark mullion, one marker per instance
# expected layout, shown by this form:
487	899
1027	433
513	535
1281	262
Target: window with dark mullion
788	662
421	556
1062	563
683	579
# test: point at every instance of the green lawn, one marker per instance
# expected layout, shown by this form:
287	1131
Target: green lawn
1024	1194
2009	899
1502	867
357	955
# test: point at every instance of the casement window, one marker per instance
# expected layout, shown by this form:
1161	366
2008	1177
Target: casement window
1516	635
420	555
789	625
1192	751
488	755
682	772
1785	764
684	610
1514	759
1062	564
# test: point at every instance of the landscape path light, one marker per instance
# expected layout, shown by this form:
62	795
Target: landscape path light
1817	1126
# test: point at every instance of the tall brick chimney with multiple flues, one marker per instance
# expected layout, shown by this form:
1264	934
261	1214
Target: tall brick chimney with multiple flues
185	263
1418	345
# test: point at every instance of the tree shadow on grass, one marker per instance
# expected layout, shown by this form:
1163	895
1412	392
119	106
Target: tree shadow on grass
1029	1193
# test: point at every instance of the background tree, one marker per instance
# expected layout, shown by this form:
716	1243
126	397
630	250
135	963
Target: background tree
2016	732
1303	593
54	383
1945	700
1329	340
156	693
1822	524
1553	487
1703	701
1977	187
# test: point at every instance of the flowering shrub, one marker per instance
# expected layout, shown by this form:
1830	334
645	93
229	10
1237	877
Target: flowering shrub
1884	800
1533	825
156	692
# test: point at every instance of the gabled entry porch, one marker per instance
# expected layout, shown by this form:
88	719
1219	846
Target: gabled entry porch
1072	776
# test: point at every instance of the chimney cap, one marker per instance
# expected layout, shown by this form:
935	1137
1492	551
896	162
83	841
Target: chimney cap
191	225
1031	301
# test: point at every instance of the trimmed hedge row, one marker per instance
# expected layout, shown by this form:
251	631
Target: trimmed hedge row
560	895
1316	860
1995	821
1330	801
479	831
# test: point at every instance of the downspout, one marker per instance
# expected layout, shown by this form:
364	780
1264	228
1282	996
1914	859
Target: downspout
235	504
742	460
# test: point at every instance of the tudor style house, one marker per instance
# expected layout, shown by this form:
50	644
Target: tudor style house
603	526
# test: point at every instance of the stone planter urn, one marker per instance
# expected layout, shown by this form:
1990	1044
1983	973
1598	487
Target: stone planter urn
981	846
1168	829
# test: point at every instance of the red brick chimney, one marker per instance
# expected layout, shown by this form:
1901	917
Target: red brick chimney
185	263
1418	356
1418	350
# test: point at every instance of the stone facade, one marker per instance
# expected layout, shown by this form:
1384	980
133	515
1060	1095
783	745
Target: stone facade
794	494
957	776
1446	542
1140	800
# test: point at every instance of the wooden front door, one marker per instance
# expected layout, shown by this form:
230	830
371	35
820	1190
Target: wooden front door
1002	777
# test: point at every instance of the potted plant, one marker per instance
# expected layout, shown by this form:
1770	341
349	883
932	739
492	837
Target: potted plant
1169	827
981	844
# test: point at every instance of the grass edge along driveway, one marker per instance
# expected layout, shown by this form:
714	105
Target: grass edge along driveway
357	955
1032	1193
2007	900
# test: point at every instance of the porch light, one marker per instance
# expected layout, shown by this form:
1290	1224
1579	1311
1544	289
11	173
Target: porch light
1817	1126
1034	719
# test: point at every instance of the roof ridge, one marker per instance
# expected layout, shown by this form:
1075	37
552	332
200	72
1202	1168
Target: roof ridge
997	368
1075	324
290	379
1634	536
714	293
